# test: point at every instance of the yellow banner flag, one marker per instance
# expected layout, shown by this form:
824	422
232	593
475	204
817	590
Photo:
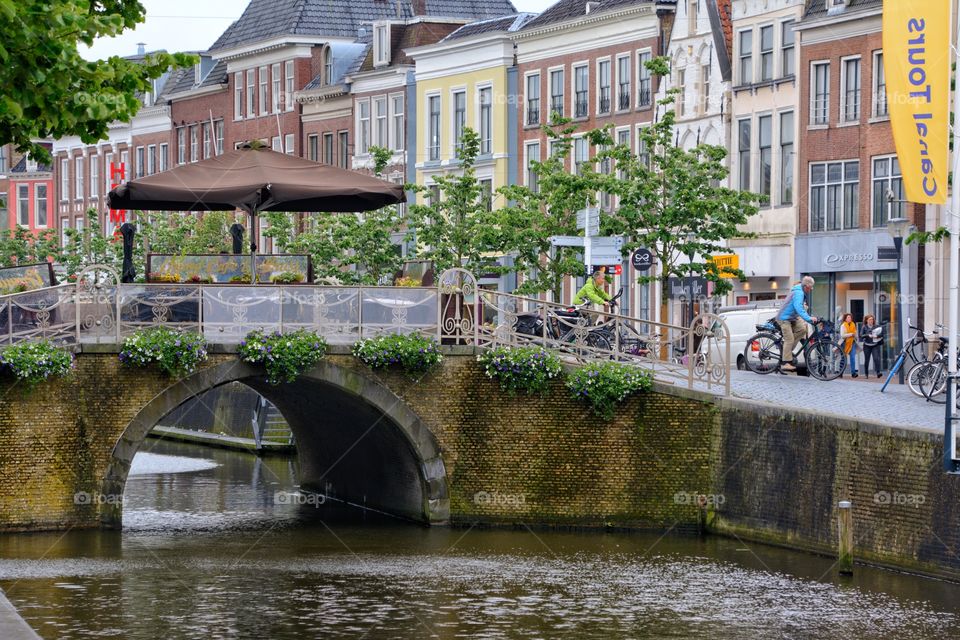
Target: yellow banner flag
916	61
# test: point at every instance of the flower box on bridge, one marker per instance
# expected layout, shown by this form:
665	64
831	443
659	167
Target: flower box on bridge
228	269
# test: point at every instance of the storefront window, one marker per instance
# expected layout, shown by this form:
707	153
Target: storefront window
885	309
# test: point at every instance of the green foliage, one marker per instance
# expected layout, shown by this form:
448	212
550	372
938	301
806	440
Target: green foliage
34	362
521	369
176	353
21	246
284	355
50	91
90	246
456	229
413	353
604	385
287	277
923	237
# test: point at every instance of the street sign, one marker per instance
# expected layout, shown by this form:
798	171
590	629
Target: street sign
606	250
687	288
886	253
593	217
566	241
726	264
642	259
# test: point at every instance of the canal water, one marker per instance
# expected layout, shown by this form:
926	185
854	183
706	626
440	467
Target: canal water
217	545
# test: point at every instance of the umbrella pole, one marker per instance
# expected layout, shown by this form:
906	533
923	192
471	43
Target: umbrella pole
253	246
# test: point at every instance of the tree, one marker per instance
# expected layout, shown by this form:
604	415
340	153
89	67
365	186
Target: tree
49	90
671	201
457	228
535	215
22	246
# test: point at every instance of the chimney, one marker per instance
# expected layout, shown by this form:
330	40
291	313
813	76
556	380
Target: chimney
141	48
419	7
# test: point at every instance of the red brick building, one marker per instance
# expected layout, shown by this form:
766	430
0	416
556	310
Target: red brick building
847	166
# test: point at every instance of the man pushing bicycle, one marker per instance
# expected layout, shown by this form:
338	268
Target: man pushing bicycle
792	318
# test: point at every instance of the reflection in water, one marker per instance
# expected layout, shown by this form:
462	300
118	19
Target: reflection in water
210	551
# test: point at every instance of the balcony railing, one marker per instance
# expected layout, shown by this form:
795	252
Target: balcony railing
623	100
581	108
556	105
604	102
533	112
643	95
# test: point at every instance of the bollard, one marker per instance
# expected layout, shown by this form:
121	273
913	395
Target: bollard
845	531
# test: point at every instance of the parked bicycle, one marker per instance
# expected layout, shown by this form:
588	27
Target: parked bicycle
909	352
822	354
933	378
562	326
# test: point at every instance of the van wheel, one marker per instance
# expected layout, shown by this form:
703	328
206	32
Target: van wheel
741	365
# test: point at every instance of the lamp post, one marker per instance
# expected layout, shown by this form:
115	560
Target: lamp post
898	228
690	237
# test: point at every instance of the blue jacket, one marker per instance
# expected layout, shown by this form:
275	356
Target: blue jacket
793	307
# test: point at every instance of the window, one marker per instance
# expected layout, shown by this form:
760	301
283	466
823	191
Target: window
743	127
218	136
459	120
328	148
644	82
692	6
879	86
643	149
288	144
364	127
78	179
556	92
207	139
80	225
399	134
41	210
381	45
533	99
64	227
704	97
313	147
581	91
181	145
276	84
94	176
23	205
786	157
486	193
820	109
746	57
108	173
766	53
623	83
64	180
288	86
237	97
433	128
251	92
164	159
787	49
194	147
766	153
276	143
834	197
327	66
886	175
263	91
532	155
486	120
138	172
3	158
603	86
380	123
682	96
581	153
851	90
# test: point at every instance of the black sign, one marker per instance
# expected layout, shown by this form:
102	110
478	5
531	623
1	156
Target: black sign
687	288
886	253
642	259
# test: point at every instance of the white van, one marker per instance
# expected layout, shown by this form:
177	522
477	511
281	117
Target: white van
742	324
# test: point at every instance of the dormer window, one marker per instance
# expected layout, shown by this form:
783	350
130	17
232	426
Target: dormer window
327	66
836	6
381	44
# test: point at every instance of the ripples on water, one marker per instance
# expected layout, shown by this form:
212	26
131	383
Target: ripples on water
251	570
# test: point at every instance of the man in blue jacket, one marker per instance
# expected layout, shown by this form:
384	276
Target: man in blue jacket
792	319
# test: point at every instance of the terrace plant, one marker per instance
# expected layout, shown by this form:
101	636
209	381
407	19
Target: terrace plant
34	362
604	385
521	369
415	354
176	353
285	356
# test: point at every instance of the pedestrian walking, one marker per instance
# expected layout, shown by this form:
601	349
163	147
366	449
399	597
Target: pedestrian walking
871	337
848	341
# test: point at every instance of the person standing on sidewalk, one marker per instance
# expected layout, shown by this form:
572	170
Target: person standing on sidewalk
792	318
848	337
871	336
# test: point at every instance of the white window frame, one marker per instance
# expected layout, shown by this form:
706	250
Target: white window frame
381	123
262	89
94	176
644	76
37	209
181	145
609	62
276	87
288	87
207	139
218	137
772	53
759	154
574	68
454	149
64	179
577	143
784	48
843	184
398	138
899	209
64	227
740	185
107	173
563	88
251	93
364	131
432	130
681	84
527	171
381	44
527	122
485	121
289	144
164	158
139	162
313	147
787	159
815	121
237	96
745	62
194	144
843	89
620	84
23	205
879	106
151	159
78	178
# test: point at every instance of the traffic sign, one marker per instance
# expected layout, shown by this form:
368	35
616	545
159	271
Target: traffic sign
606	250
593	217
642	259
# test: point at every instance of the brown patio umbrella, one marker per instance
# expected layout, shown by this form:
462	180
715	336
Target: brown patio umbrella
256	180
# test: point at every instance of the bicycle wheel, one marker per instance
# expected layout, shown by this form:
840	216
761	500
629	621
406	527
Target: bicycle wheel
762	353
825	360
917	375
934	387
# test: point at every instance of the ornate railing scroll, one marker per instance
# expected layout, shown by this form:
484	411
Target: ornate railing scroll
42	314
398	310
459	307
97	305
176	306
709	339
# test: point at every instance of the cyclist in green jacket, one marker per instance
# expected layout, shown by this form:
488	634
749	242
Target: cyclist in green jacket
594	292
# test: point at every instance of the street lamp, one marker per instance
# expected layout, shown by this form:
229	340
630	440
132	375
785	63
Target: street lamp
690	237
898	228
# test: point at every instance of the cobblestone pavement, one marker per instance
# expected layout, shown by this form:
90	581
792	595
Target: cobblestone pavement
858	399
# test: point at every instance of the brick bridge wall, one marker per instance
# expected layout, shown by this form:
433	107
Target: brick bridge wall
773	477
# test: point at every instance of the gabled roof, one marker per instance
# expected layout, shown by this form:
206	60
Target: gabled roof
818	8
21	167
347	59
570	9
506	24
268	19
405	36
183	80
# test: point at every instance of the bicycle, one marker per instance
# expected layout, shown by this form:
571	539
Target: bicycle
934	381
824	358
918	339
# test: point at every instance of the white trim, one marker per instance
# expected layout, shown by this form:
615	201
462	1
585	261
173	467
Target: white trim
842	118
812	64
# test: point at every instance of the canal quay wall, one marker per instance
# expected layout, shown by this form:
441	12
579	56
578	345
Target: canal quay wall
452	448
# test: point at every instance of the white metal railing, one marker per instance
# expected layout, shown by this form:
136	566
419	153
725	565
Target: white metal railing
97	309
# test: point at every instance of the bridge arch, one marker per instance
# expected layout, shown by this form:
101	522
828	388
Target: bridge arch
356	439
